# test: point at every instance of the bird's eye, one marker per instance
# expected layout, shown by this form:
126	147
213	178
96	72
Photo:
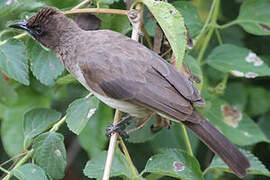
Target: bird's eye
38	30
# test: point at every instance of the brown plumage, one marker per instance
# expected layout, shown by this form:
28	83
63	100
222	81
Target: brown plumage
126	75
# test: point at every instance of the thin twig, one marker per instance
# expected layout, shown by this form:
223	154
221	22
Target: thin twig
133	168
147	37
21	162
11	159
111	150
98	10
81	4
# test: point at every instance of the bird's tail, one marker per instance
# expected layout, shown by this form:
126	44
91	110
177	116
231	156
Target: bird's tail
219	144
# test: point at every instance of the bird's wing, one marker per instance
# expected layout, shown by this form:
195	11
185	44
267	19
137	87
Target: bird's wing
129	47
122	77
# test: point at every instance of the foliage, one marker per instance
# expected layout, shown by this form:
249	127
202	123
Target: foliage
229	63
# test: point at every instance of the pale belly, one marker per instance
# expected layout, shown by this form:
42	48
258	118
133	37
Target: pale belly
133	110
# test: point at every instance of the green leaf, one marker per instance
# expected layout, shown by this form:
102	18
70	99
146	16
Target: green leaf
12	124
50	154
115	22
37	121
241	62
79	113
256	167
8	94
144	134
172	23
61	4
191	16
29	172
44	64
13	60
233	123
175	163
236	94
108	1
18	7
93	138
258	103
95	167
66	79
264	124
254	17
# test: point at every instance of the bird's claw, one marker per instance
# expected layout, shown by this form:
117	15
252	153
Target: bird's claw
116	129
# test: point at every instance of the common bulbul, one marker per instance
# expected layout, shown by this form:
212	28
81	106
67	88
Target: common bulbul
127	76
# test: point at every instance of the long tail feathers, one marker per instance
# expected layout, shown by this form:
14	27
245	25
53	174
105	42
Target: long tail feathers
219	144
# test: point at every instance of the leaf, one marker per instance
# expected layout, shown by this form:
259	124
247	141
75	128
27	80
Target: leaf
93	138
233	123
144	134
18	7
114	22
37	121
258	103
174	163
172	24
13	61
66	79
12	123
108	1
190	15
241	62
61	4
79	112
50	154
44	64
8	94
95	167
236	94
29	172
254	17
264	124
256	167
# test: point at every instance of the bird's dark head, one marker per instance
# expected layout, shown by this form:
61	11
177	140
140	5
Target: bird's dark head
46	26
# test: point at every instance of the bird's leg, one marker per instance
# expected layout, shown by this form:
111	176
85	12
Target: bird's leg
140	124
119	127
160	123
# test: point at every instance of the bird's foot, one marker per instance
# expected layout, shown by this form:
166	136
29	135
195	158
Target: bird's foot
119	127
116	129
160	123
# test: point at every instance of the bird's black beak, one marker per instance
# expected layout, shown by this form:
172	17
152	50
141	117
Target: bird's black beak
19	25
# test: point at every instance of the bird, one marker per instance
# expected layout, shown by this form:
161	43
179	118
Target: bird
128	76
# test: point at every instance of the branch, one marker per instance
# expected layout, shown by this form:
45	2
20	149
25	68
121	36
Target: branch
97	10
82	4
111	150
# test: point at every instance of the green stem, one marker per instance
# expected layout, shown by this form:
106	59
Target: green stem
58	124
226	25
205	171
218	36
207	20
19	36
186	139
21	162
131	165
210	32
4	170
